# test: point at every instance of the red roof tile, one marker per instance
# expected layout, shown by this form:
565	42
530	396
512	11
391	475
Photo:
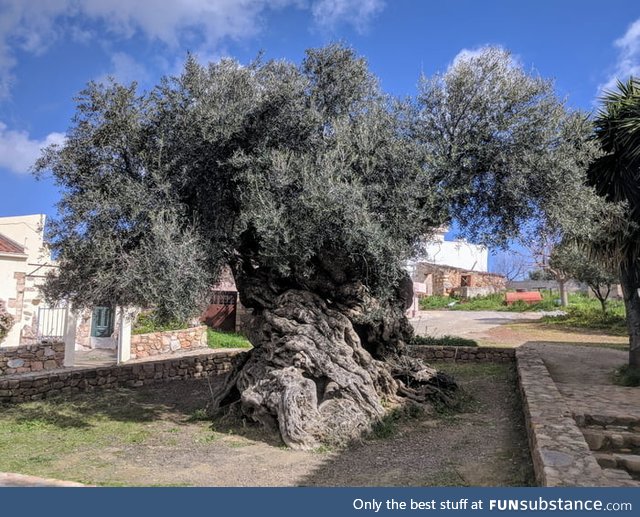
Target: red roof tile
10	246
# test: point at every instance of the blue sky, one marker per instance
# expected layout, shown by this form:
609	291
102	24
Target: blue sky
49	49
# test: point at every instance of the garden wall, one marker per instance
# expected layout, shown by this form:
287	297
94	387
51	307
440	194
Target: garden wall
160	343
560	454
31	358
36	386
463	354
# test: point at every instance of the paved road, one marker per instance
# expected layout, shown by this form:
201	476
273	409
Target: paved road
469	324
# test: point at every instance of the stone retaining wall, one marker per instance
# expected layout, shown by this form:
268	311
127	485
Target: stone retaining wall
560	454
31	358
463	354
34	386
159	343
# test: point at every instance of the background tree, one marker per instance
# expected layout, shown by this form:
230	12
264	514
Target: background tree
575	261
315	187
511	156
511	265
616	176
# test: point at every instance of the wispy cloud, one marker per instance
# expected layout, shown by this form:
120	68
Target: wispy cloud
18	152
329	14
125	69
32	26
35	25
628	58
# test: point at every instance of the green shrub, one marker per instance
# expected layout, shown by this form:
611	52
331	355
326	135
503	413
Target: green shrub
219	339
148	322
6	320
442	341
627	376
588	316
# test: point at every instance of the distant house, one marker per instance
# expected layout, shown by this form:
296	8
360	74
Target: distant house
452	268
24	261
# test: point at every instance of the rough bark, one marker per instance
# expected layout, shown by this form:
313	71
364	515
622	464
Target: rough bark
630	285
564	295
321	370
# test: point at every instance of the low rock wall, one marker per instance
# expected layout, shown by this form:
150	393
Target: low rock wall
161	343
31	358
560	454
34	386
463	354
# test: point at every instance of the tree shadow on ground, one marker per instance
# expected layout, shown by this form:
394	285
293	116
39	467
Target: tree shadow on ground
484	445
177	401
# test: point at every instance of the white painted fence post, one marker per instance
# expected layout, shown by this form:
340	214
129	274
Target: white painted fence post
69	337
124	336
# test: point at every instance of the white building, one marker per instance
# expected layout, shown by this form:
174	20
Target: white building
24	261
457	253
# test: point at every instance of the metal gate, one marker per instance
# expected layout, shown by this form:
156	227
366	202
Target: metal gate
51	322
221	312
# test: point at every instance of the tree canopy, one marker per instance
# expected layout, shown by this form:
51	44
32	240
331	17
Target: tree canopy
315	187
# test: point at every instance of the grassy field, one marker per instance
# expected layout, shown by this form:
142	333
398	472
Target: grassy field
219	339
583	312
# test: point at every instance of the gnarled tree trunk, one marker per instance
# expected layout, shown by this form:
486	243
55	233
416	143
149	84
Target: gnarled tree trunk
324	370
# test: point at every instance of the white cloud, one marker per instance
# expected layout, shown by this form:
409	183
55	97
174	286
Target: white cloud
125	70
358	13
18	152
628	59
32	26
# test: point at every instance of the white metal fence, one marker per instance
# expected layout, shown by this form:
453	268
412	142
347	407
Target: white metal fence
51	322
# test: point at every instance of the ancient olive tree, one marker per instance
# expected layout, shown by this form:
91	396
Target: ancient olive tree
315	187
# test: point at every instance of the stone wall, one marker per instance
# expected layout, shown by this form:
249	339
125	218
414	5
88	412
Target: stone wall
31	358
36	386
463	354
560	454
159	343
445	280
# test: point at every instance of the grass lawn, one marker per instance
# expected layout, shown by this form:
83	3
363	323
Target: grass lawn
219	339
492	302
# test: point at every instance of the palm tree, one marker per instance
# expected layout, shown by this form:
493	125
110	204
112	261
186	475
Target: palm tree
616	176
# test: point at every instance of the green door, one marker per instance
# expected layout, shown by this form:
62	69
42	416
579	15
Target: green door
102	322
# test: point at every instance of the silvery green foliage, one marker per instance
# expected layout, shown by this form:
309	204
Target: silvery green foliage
306	172
309	174
511	157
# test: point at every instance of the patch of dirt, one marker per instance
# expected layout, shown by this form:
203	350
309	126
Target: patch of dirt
581	365
485	446
518	333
